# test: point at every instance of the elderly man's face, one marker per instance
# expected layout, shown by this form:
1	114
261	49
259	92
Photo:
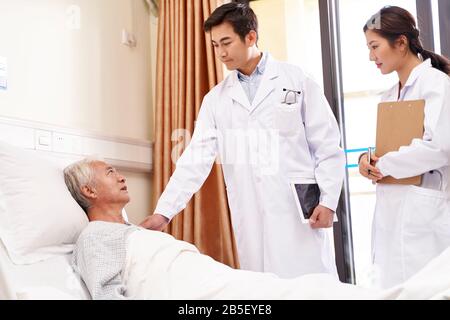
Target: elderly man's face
110	185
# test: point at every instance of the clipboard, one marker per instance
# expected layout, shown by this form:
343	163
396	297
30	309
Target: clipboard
398	123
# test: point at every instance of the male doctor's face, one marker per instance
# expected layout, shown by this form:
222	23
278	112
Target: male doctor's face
230	48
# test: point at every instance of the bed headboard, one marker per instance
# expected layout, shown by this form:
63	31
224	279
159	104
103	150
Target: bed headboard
66	145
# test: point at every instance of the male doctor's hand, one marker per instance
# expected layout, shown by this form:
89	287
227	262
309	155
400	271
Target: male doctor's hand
155	222
322	217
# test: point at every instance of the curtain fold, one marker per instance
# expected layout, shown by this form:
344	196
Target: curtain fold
186	70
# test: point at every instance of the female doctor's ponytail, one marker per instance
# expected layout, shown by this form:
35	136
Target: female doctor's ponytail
437	61
391	22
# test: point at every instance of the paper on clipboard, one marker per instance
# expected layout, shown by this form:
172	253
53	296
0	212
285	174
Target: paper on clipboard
398	123
307	196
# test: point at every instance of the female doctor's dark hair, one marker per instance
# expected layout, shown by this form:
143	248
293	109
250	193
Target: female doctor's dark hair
238	14
391	22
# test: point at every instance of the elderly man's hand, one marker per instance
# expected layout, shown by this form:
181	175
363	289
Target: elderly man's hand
322	217
155	222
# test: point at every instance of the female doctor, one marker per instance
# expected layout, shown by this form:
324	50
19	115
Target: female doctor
411	224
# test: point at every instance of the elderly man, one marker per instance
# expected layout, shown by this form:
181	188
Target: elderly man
118	260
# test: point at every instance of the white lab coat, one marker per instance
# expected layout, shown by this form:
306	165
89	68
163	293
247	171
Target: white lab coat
412	224
263	146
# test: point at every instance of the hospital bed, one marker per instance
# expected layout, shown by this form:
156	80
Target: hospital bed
39	220
52	279
33	193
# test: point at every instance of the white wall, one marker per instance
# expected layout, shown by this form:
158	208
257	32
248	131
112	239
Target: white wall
290	31
139	186
67	67
272	27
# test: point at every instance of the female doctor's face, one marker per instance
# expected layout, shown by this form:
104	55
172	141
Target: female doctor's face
230	48
388	58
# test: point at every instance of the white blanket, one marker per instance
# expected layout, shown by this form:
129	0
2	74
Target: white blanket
432	282
162	268
159	267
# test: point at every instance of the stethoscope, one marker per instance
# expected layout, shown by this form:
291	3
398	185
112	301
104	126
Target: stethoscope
291	96
441	177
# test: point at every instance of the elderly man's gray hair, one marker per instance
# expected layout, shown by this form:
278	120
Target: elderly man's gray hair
78	175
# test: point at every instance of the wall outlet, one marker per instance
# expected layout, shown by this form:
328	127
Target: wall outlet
43	140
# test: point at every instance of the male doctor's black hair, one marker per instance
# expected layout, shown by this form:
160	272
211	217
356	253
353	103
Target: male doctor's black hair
238	14
392	22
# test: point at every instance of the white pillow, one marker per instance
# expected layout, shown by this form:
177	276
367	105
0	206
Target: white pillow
38	216
43	293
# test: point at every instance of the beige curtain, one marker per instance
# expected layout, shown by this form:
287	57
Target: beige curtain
186	71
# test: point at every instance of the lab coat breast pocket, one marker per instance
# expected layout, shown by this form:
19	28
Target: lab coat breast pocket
287	118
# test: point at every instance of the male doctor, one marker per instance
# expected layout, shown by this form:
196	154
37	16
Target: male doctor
271	127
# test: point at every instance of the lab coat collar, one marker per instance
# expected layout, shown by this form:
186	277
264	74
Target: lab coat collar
415	73
267	85
236	92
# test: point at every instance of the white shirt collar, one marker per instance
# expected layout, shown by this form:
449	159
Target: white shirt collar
260	68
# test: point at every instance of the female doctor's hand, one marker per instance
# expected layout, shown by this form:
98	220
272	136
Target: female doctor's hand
155	222
322	217
369	170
